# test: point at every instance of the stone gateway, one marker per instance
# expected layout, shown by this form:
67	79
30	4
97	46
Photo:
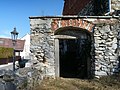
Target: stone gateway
74	46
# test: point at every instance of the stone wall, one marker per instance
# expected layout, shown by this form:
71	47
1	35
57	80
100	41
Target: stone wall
42	45
10	80
105	43
115	5
106	58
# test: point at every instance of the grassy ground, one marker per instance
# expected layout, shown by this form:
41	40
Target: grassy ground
104	83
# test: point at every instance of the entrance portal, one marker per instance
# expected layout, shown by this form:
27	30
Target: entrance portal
74	57
73	53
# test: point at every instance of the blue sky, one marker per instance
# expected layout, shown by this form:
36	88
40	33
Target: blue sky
16	13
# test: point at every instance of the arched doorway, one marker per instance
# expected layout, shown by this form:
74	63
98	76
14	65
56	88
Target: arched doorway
74	52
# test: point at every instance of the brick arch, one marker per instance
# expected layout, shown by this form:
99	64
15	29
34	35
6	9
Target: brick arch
78	23
69	33
70	28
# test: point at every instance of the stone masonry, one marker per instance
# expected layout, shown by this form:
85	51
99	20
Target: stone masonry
115	5
42	44
106	58
105	33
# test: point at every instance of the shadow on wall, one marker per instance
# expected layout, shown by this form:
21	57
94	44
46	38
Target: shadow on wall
119	63
117	68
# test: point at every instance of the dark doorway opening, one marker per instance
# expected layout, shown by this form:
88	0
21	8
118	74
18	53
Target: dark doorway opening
75	58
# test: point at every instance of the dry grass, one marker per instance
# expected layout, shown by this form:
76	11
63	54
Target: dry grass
104	83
